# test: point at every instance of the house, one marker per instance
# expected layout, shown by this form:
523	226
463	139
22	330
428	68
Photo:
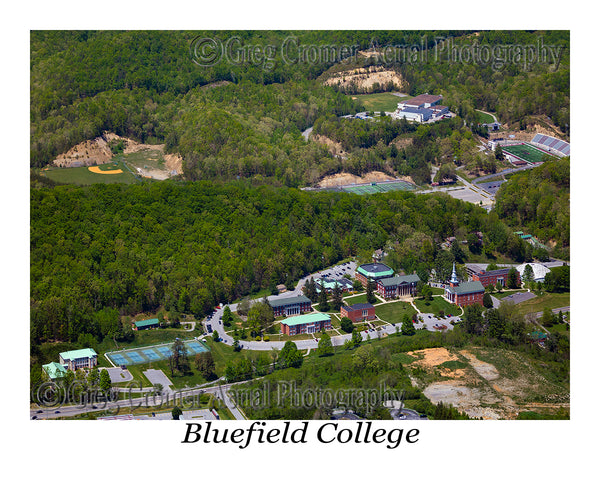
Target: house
372	272
377	255
465	293
291	305
74	359
358	312
281	288
146	324
493	277
311	323
54	370
398	286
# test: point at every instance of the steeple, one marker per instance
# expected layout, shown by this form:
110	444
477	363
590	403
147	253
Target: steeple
454	278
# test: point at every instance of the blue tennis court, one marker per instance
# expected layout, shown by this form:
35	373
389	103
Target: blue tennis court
136	356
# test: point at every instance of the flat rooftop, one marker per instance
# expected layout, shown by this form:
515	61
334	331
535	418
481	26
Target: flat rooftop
375	270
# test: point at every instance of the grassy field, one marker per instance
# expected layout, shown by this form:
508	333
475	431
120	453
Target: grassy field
83	176
358	299
436	305
483	117
393	312
526	152
377	102
545	300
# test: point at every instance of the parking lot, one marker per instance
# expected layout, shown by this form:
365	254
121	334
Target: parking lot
338	272
118	374
434	324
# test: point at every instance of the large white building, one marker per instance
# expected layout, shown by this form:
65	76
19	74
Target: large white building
539	271
421	108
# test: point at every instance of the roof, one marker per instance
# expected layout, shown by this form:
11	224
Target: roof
399	280
145	323
375	270
357	306
467	287
421	111
539	270
54	370
302	319
330	284
282	302
423	98
491	273
82	353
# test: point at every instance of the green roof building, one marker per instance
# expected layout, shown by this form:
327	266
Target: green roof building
311	323
144	324
373	272
54	370
83	358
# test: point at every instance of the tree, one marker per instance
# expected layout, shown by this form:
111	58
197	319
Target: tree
496	323
528	275
227	316
473	322
457	251
310	290
337	301
325	347
487	300
176	412
408	328
370	292
289	356
427	293
513	278
547	319
323	304
215	336
205	364
244	306
356	338
179	355
347	325
104	382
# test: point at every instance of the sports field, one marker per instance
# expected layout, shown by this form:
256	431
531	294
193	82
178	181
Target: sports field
114	172
379	187
526	152
154	353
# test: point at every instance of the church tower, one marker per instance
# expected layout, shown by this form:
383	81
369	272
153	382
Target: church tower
454	278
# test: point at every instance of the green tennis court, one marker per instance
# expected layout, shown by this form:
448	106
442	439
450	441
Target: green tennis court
526	152
135	356
379	187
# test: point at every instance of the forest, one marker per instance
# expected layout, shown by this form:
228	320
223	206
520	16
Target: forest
104	249
539	201
240	120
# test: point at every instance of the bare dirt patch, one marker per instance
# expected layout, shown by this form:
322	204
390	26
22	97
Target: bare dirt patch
432	357
88	153
335	148
340	179
486	370
363	79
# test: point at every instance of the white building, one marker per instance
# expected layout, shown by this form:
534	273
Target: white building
539	271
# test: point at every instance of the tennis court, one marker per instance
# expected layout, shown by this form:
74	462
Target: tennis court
378	187
526	152
136	356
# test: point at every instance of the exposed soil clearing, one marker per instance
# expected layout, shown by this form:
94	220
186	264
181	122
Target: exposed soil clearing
363	79
341	179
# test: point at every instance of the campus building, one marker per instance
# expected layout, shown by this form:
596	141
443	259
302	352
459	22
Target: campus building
146	324
465	293
358	312
398	286
343	284
290	306
421	108
373	272
74	359
539	271
493	277
311	323
54	370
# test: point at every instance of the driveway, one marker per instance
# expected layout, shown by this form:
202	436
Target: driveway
118	375
158	376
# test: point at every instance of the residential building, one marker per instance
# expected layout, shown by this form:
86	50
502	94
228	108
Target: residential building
83	358
358	312
311	323
291	305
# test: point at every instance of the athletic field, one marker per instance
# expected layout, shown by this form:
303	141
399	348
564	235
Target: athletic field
378	187
526	152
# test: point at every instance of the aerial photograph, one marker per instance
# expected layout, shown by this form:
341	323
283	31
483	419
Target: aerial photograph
302	225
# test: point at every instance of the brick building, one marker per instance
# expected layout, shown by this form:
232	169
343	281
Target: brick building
311	323
493	277
373	272
465	293
290	306
358	312
398	286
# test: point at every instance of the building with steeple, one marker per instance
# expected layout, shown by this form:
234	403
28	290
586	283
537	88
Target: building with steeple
465	293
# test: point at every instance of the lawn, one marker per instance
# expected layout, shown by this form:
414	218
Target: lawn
358	299
544	300
483	117
506	293
394	311
436	305
377	102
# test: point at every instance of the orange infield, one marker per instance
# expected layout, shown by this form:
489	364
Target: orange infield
105	172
